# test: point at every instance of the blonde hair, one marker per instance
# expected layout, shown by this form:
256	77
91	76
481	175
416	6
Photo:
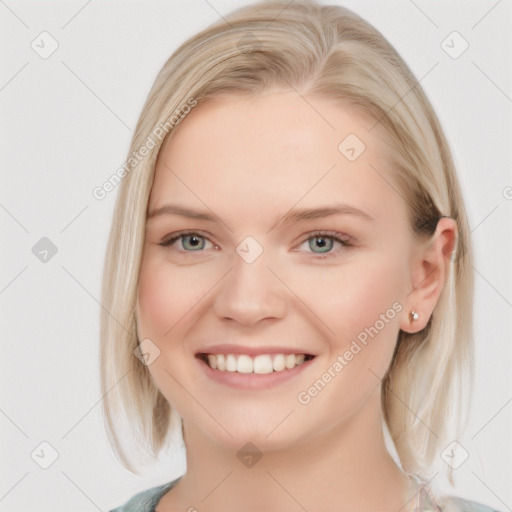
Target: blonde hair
331	52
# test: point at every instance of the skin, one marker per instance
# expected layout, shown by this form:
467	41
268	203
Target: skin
249	161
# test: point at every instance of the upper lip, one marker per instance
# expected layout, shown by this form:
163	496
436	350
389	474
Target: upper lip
251	351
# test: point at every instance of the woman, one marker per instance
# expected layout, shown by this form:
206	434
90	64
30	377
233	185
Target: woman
289	268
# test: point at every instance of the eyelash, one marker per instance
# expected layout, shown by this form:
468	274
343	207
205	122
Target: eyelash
344	240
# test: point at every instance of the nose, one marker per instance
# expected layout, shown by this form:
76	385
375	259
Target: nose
250	292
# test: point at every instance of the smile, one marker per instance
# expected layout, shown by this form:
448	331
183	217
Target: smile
259	364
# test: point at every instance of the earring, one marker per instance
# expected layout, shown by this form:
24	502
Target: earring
413	316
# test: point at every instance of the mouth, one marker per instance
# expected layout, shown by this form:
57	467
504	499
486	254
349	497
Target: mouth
256	364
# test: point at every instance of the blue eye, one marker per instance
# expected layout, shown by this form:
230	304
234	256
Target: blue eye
191	241
195	242
325	243
321	244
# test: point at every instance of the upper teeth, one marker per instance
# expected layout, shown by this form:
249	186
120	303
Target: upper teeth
263	363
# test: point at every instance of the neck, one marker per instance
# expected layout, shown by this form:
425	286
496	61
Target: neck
345	468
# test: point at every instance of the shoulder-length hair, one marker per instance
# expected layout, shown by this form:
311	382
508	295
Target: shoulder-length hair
318	50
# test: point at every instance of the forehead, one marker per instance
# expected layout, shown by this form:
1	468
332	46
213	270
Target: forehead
273	149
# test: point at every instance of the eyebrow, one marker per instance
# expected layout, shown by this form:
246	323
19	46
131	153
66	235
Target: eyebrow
293	215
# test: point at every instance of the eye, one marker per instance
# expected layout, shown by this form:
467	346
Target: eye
322	243
191	241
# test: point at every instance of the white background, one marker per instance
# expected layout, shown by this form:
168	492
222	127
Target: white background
66	123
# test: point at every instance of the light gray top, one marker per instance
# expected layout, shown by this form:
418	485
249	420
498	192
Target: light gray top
146	501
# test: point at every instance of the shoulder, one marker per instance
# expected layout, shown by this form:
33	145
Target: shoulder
457	504
147	500
429	501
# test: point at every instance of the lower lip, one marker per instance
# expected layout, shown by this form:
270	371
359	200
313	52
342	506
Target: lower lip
252	380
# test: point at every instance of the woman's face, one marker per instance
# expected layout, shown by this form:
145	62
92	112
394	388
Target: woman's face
300	245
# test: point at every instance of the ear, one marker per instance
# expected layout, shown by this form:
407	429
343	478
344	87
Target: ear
429	271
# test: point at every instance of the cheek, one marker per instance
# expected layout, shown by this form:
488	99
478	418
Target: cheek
361	303
166	295
362	307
